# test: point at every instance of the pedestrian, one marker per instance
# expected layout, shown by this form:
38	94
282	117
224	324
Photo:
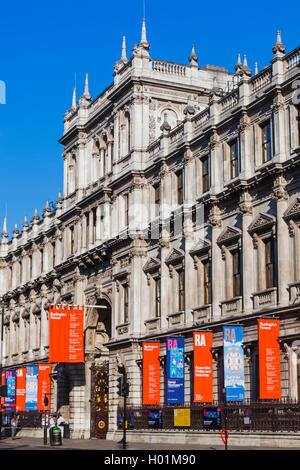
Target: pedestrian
60	424
14	427
52	426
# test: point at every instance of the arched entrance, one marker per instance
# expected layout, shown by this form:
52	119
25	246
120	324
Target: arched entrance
98	333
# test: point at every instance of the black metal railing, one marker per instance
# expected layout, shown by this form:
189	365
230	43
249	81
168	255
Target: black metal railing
272	416
26	419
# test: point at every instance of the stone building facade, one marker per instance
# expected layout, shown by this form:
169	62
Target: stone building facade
180	212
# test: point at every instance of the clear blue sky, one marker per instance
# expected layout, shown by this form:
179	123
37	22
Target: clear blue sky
43	45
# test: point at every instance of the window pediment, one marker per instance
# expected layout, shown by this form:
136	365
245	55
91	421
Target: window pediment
201	247
175	257
293	211
263	222
229	236
153	264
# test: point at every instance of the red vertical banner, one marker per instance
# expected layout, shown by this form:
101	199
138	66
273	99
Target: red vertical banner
66	334
203	367
44	385
2	383
269	359
20	388
151	374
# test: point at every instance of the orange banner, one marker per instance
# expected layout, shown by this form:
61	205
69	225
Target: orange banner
20	388
66	334
44	385
151	374
203	367
269	359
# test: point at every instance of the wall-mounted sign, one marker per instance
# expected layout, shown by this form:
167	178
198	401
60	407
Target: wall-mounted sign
234	381
151	374
66	334
203	367
269	359
175	370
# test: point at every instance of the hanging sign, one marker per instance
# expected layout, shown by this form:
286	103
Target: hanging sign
269	359
31	387
20	388
66	334
234	381
203	368
175	370
44	385
151	374
10	382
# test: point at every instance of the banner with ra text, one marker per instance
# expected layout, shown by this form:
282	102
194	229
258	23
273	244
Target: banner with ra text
203	367
234	381
31	388
175	370
269	359
20	388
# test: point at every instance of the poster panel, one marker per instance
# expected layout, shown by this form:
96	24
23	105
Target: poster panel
182	417
151	374
234	381
31	388
66	334
44	385
20	388
203	367
10	382
175	370
269	359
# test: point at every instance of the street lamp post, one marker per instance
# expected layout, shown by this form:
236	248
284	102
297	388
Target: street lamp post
46	402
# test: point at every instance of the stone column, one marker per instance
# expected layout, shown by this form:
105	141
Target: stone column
216	258
283	255
248	274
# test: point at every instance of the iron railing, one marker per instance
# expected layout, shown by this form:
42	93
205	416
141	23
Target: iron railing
271	415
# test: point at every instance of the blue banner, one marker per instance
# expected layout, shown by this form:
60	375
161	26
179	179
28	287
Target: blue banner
10	382
175	370
234	381
31	387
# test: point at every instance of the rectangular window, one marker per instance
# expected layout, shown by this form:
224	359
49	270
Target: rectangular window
125	293
269	263
157	199
181	290
94	210
205	174
72	239
179	176
266	142
157	297
207	281
126	210
234	159
236	275
53	254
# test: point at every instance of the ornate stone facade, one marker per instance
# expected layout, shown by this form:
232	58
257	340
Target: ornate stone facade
180	209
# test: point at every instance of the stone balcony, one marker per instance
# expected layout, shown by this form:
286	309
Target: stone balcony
232	306
264	299
202	314
152	324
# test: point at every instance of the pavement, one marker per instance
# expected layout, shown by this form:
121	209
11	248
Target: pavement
108	447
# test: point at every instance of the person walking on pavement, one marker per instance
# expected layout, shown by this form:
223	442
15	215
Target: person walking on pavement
13	426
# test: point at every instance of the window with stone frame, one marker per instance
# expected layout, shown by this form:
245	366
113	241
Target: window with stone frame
266	141
229	242
175	263
205	163
292	218
152	269
298	123
201	253
234	160
263	232
180	186
125	303
156	188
